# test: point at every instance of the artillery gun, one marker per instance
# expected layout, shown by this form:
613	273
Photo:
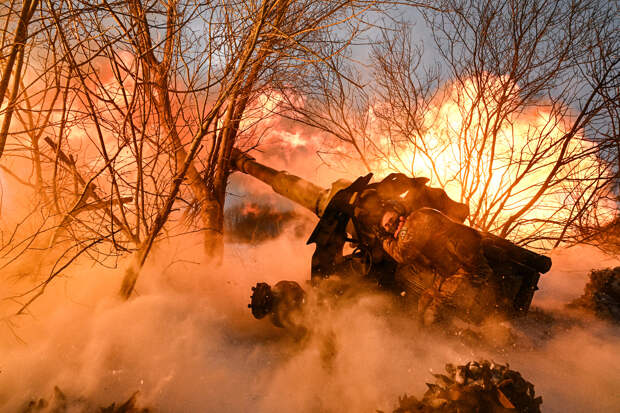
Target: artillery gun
347	212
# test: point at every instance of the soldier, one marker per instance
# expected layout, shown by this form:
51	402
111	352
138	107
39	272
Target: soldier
402	196
441	261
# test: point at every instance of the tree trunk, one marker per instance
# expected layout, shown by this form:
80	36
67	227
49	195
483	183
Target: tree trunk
212	215
212	209
16	54
209	197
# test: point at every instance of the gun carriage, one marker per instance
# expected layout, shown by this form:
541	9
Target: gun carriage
344	210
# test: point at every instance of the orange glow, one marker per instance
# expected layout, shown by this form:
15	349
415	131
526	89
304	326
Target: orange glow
495	165
250	208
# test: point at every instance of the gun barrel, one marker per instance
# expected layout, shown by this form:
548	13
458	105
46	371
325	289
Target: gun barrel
296	189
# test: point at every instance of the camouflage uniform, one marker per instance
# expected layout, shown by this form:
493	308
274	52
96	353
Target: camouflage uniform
441	261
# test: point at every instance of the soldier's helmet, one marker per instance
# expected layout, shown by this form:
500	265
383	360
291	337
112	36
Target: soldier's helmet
394	205
372	207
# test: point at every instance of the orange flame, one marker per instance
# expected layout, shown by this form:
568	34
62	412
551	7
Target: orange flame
493	158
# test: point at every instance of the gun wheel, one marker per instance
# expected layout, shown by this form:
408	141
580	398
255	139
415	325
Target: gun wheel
261	300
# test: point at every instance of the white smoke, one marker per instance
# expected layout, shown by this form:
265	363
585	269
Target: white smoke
188	343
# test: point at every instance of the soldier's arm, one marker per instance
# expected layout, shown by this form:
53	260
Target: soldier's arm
404	247
390	245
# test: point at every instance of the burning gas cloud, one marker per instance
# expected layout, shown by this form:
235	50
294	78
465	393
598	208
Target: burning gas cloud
482	147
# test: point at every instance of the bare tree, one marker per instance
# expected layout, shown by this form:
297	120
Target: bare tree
517	117
13	64
133	108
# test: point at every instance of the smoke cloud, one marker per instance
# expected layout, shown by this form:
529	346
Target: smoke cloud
187	341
